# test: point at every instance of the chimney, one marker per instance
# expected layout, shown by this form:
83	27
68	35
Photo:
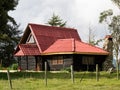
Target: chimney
108	46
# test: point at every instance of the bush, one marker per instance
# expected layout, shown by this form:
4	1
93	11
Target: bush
1	68
14	66
66	69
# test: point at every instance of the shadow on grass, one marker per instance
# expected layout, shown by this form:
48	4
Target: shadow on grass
60	75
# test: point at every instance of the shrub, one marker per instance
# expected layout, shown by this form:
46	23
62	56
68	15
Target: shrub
14	66
1	68
66	69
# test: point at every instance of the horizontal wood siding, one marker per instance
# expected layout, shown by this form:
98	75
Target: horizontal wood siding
56	67
23	63
55	64
27	63
67	61
31	63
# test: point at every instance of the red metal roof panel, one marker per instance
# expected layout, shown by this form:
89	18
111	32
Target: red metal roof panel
47	35
27	49
61	45
55	40
87	48
73	46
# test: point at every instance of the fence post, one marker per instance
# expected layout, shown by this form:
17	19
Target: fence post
9	79
97	73
72	74
45	73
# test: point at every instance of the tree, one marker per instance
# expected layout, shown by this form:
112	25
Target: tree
113	23
117	2
9	33
56	21
92	40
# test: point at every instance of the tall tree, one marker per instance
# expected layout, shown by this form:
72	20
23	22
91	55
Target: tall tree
113	22
56	21
92	36
9	33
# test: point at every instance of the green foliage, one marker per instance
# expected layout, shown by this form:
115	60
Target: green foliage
68	69
117	2
93	42
1	68
105	14
56	21
9	32
14	67
113	22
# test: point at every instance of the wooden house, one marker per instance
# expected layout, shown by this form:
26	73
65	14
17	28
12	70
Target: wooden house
59	47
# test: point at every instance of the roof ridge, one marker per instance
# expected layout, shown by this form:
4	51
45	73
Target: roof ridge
51	26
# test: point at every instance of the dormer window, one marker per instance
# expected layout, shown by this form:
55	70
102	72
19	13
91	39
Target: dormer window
30	39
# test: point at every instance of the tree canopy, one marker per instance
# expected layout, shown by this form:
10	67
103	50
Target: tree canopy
113	22
9	33
56	21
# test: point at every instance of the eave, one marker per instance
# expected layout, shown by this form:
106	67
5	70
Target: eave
81	53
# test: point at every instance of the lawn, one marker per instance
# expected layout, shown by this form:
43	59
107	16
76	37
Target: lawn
59	81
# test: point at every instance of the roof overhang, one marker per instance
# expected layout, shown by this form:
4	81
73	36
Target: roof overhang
81	53
27	50
72	46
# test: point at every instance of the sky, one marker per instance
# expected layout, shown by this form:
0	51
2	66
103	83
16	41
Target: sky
79	14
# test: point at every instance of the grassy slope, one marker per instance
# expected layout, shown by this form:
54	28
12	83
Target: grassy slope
57	81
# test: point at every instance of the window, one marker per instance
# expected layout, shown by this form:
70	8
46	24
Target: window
88	60
54	60
60	60
57	60
30	39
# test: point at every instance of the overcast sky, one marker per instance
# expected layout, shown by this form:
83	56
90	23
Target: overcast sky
79	14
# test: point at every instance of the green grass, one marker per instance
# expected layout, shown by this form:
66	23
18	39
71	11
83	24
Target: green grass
59	81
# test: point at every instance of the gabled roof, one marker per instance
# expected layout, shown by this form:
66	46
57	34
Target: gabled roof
54	40
71	46
47	35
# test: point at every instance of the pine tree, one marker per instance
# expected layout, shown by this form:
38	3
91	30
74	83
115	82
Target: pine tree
9	33
56	21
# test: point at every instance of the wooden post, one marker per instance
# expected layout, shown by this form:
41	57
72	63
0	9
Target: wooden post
72	74
9	79
45	73
117	65
97	73
27	61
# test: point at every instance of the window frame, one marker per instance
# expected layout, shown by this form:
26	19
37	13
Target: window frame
57	60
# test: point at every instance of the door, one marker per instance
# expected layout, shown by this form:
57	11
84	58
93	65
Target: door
38	63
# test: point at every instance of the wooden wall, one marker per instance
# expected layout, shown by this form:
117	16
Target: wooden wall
67	61
27	63
59	62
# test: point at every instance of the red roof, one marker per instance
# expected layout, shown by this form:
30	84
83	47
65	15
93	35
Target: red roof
67	46
54	40
47	35
27	49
